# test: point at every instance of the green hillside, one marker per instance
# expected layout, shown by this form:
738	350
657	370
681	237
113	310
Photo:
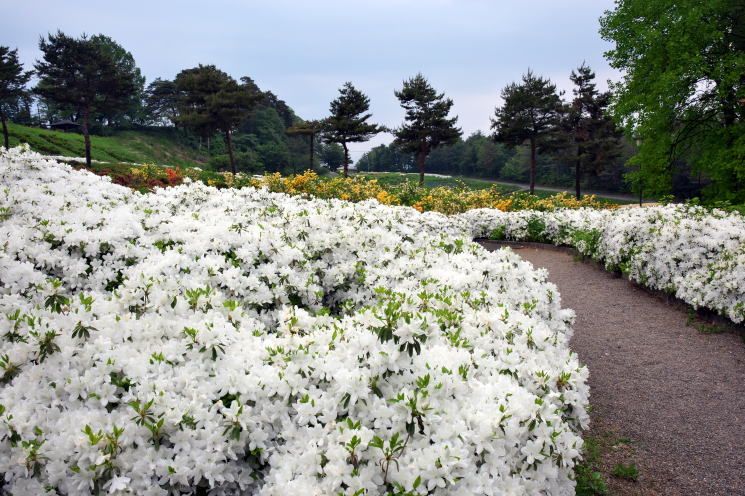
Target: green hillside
163	146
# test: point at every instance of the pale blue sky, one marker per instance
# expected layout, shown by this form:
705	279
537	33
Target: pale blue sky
304	50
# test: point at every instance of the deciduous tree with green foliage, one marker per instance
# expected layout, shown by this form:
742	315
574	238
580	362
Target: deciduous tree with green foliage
531	112
211	101
13	81
683	90
593	138
78	73
426	125
348	120
132	111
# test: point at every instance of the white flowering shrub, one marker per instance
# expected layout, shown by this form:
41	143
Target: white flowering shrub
222	342
694	253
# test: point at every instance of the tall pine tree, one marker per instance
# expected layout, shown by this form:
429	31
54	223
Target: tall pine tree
531	112
211	101
426	124
348	120
78	73
12	85
594	140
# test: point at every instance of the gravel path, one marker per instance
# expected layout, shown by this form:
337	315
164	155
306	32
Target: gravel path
678	394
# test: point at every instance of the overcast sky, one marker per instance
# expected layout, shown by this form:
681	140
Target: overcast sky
304	50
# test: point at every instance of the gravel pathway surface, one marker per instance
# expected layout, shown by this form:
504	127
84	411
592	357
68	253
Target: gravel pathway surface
676	393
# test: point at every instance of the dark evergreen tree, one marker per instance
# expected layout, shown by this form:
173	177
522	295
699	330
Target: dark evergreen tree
530	112
13	80
594	139
348	120
79	74
211	101
161	102
426	124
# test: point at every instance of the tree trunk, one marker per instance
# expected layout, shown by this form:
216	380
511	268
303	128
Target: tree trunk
421	157
578	171
346	159
87	135
229	142
532	166
5	132
312	139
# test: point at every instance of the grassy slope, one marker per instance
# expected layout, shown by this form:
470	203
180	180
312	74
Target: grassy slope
149	145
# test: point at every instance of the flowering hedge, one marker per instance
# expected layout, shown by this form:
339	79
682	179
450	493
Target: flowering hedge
355	188
424	199
697	254
239	341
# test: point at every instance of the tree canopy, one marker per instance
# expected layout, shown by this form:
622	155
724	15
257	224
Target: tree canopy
426	125
80	74
13	80
530	112
593	140
683	90
211	101
124	62
348	122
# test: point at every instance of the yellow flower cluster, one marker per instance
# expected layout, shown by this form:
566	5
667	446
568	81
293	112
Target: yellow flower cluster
148	172
345	188
439	199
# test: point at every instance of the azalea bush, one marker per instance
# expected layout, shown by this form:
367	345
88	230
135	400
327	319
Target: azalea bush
694	253
440	199
197	340
424	199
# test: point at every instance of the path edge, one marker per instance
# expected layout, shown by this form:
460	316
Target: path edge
709	316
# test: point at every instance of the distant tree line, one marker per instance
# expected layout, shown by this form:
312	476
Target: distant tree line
536	138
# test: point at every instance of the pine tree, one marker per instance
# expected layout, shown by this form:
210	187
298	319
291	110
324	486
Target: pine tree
12	85
426	123
78	73
530	112
161	102
593	141
211	101
348	120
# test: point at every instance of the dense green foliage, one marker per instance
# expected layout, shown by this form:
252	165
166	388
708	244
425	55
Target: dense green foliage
683	93
426	124
348	120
